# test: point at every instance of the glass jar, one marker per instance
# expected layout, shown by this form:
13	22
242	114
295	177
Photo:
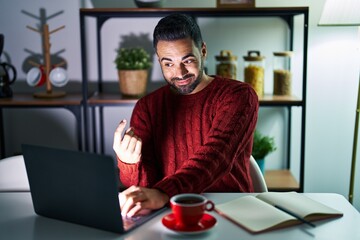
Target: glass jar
254	71
226	65
282	73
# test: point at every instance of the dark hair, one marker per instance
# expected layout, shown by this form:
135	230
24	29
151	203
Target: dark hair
177	26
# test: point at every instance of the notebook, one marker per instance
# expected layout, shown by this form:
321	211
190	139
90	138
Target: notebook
274	210
77	187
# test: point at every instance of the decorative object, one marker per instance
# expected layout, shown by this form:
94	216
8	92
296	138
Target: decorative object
58	77
235	3
345	13
226	64
262	146
36	77
254	71
7	74
133	65
149	3
282	73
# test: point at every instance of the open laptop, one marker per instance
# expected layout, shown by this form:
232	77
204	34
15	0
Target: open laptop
77	187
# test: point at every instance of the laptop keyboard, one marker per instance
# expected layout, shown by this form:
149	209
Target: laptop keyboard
129	222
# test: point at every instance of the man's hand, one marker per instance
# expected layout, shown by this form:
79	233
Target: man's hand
139	200
128	148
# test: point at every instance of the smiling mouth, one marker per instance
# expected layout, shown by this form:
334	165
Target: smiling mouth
184	81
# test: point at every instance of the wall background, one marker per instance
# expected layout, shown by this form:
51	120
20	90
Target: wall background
333	71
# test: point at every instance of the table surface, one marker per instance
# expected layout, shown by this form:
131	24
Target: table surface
19	221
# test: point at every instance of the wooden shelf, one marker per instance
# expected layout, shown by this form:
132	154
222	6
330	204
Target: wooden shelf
71	101
118	99
27	99
110	99
200	12
112	96
281	180
274	100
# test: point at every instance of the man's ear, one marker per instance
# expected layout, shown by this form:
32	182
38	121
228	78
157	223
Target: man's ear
203	49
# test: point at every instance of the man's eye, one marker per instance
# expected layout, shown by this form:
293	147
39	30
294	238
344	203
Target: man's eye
168	64
189	61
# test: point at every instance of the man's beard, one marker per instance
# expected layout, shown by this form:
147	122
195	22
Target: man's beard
187	89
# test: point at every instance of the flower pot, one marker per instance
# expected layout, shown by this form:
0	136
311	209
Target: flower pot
261	163
133	83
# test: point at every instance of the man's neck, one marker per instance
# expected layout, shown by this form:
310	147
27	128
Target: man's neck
206	79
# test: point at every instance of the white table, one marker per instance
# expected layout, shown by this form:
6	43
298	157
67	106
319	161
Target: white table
19	221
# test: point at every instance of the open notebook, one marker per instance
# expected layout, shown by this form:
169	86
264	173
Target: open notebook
77	187
258	213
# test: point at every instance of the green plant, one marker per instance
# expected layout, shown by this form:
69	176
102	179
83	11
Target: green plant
132	59
262	145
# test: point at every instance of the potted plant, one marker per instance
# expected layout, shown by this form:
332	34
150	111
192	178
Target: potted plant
133	65
262	146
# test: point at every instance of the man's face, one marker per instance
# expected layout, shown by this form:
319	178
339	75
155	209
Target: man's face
182	64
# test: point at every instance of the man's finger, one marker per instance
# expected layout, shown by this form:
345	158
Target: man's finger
133	200
134	210
127	138
118	133
138	146
130	132
129	203
132	144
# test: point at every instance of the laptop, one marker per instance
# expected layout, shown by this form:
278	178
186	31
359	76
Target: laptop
77	187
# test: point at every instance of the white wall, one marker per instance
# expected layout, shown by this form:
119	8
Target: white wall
333	71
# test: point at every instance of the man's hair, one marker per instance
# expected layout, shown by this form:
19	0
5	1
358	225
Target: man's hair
177	26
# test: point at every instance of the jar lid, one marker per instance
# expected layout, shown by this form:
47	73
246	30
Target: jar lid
283	54
251	58
226	55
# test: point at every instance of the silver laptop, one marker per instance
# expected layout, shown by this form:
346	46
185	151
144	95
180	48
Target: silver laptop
77	187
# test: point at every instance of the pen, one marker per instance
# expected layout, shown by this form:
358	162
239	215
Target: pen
295	215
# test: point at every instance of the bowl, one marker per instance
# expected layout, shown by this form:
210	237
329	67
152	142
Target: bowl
149	3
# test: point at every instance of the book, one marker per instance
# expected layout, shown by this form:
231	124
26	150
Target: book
261	212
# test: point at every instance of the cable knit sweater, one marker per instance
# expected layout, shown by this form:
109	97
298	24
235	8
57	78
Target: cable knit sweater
195	143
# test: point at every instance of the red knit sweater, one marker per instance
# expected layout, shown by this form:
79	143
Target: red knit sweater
195	143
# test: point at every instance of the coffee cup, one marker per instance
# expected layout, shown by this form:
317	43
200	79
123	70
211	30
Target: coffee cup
36	77
58	77
189	208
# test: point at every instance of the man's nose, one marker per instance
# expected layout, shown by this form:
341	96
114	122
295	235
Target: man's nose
181	70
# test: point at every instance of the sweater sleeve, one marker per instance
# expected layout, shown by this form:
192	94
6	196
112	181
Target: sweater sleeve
231	132
146	172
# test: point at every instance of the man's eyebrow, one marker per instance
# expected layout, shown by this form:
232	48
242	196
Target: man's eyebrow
184	57
189	55
164	58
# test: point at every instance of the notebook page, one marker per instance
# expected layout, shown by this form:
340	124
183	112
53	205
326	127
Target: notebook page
252	213
297	203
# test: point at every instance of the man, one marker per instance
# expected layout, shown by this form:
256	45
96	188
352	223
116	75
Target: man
193	135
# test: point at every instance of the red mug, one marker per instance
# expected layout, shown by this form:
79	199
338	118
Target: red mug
189	208
36	76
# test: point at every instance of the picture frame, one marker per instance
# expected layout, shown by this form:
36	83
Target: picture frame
235	3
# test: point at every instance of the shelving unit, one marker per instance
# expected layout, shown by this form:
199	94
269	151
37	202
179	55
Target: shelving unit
71	102
279	180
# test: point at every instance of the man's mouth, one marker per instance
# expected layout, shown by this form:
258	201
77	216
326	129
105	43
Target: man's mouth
184	81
